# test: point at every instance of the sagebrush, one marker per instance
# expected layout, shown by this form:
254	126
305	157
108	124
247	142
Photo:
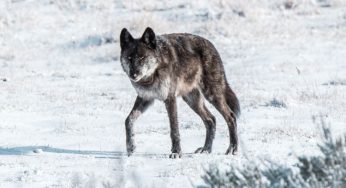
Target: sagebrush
325	170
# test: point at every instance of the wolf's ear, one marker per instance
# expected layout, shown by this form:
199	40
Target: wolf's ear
149	38
125	38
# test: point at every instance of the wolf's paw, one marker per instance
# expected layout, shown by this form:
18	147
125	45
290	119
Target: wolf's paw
130	149
232	149
203	150
175	155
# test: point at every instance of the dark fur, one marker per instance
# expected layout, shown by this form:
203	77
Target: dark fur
166	66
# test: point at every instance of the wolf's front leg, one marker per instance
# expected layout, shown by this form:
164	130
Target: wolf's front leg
138	108
171	107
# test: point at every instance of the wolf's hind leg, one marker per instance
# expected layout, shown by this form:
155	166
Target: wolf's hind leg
195	100
138	108
220	103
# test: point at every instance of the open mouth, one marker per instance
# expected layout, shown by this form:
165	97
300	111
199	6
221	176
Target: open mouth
143	80
136	79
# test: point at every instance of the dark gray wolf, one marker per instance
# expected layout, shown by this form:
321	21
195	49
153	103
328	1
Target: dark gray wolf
166	66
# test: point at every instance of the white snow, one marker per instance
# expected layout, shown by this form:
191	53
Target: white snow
64	96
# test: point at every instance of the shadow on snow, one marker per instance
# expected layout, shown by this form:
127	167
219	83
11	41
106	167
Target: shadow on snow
32	150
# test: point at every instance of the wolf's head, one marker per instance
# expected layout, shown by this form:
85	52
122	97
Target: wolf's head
138	55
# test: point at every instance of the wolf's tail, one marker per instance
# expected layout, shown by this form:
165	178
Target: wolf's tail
232	100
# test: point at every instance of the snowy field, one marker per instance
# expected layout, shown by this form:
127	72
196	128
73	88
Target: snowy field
64	96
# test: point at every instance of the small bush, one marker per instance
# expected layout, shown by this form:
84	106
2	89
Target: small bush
326	170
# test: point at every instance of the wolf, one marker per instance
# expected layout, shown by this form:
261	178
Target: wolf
164	67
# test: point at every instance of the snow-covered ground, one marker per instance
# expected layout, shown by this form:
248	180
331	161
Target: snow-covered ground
64	96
